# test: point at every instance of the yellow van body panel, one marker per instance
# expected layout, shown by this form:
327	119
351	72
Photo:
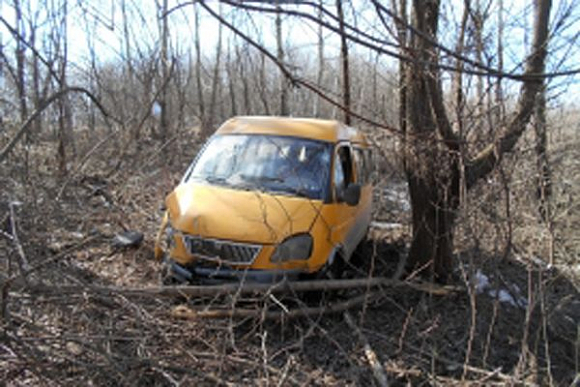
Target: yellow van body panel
315	129
244	216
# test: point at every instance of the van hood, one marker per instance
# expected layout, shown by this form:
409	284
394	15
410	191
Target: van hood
238	215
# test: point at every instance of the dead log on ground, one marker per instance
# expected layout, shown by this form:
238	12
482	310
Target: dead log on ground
189	313
244	288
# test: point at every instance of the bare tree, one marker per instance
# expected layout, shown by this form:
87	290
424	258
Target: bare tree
215	82
230	67
20	61
65	137
321	64
280	57
198	70
344	64
163	102
433	169
544	190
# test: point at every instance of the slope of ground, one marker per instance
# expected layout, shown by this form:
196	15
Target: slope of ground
510	320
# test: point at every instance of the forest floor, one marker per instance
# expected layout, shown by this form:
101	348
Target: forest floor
509	320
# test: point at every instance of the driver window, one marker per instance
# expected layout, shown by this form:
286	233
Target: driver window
342	172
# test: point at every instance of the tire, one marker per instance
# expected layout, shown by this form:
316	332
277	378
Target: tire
166	277
328	272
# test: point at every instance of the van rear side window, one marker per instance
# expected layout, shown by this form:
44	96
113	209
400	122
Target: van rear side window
363	165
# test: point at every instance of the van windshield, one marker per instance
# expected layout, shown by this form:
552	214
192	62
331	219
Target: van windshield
276	164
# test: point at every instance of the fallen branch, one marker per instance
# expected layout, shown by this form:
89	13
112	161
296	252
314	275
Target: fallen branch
372	358
283	286
189	313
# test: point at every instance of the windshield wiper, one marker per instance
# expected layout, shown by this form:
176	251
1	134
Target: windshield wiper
293	191
262	178
216	180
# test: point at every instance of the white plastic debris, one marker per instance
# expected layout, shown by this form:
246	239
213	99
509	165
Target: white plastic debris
481	282
482	285
503	296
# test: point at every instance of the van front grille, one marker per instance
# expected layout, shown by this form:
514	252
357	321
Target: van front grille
221	251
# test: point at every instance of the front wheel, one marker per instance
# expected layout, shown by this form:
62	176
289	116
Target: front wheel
166	277
330	271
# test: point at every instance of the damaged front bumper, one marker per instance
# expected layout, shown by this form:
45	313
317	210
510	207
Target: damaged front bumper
220	274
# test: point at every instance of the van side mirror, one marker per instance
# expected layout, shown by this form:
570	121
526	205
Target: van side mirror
352	194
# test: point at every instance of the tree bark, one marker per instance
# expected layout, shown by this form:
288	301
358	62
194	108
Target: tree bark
280	56
65	136
36	95
544	186
20	62
231	71
263	85
241	63
215	83
401	10
431	172
432	153
198	69
344	64
163	121
320	72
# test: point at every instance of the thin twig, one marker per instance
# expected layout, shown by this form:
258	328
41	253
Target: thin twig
82	163
23	262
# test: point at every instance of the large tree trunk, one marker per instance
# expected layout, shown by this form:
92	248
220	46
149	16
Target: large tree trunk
432	147
434	209
433	178
429	168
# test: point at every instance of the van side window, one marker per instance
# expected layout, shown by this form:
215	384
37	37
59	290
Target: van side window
343	175
363	165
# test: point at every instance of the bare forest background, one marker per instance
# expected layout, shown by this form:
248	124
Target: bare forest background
471	108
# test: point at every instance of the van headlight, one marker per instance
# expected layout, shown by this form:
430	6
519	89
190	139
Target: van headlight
297	247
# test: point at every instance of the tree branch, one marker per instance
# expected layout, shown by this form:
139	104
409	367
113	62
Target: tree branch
59	94
482	164
377	45
17	36
287	73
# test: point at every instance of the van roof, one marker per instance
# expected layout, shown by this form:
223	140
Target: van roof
317	129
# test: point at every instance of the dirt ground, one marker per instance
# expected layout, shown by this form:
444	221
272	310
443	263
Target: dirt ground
507	320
